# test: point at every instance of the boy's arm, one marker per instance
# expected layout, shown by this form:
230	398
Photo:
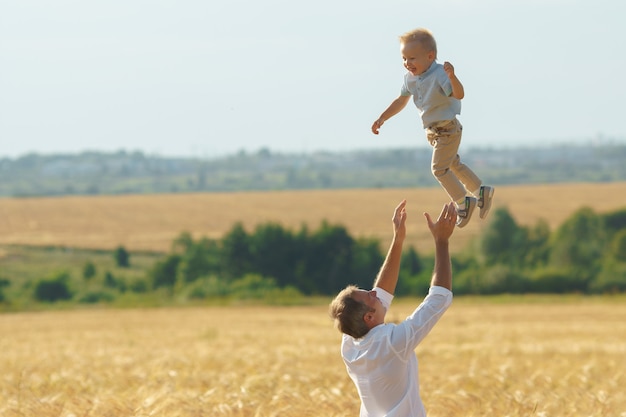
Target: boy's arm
388	276
394	108
458	91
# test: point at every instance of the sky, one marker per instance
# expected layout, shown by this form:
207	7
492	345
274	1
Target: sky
206	78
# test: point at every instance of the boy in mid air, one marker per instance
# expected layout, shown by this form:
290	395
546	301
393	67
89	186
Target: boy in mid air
437	94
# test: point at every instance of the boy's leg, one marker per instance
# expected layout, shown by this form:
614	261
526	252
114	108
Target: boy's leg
467	177
445	141
473	184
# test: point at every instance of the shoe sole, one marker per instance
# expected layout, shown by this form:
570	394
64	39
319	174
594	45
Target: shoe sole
484	211
465	220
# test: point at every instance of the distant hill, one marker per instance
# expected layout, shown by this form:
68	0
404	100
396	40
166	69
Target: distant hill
136	173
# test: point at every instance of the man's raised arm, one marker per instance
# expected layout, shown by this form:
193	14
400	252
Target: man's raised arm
441	231
388	276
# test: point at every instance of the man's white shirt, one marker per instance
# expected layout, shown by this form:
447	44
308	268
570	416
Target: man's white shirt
383	365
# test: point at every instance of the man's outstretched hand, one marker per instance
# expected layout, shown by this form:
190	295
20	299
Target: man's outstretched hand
399	220
446	222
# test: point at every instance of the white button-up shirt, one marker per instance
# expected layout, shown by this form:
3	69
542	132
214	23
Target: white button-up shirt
383	365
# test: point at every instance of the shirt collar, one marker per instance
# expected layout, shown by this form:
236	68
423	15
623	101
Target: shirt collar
429	70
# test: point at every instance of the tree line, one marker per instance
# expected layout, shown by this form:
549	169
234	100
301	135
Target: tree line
317	262
122	172
586	254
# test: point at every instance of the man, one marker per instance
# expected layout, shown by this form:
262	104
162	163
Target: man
380	358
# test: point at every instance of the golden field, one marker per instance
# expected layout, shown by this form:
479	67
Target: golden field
548	357
151	222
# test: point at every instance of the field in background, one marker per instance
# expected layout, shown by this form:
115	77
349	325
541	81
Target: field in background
151	222
551	356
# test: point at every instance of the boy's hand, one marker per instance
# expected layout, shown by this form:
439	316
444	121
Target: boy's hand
458	91
449	69
377	124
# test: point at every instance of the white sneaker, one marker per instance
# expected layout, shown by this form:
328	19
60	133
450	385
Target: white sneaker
464	215
484	200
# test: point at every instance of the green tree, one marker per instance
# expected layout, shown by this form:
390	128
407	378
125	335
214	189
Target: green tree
274	253
618	246
329	261
183	242
503	241
615	221
89	270
537	245
411	263
199	259
122	257
366	260
163	273
579	245
236	257
109	280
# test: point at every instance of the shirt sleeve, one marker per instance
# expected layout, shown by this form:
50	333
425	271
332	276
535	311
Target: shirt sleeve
407	335
384	297
444	82
404	90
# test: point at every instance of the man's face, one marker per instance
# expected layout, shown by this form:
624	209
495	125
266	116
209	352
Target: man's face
370	298
415	58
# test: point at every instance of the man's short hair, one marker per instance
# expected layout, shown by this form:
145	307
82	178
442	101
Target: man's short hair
348	313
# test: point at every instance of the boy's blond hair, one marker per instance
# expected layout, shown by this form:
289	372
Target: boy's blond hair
423	36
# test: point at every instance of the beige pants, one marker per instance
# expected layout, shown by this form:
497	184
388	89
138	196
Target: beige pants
456	178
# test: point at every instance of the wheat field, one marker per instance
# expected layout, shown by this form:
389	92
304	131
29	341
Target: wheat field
526	357
151	222
545	357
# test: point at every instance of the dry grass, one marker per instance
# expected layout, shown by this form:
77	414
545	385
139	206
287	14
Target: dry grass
151	222
559	358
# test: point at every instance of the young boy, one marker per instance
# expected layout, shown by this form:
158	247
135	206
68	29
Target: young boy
437	93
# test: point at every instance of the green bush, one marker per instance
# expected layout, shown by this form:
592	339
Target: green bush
612	279
502	279
54	289
415	285
252	286
3	283
89	270
284	296
558	281
205	288
93	297
139	286
618	246
113	282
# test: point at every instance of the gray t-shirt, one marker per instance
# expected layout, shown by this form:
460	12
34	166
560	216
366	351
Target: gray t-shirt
431	94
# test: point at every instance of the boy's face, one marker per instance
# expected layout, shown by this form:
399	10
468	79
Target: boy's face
416	59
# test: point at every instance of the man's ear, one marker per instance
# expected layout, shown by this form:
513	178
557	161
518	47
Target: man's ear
368	317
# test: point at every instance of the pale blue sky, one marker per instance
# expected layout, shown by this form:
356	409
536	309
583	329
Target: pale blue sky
206	78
